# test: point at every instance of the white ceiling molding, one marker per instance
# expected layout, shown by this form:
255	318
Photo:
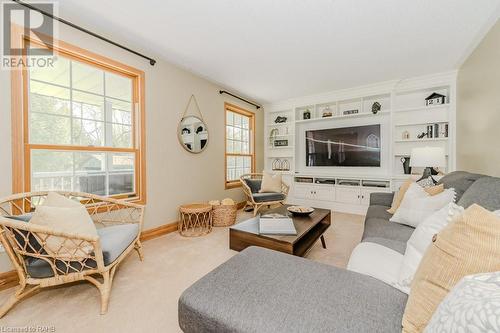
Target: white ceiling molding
272	50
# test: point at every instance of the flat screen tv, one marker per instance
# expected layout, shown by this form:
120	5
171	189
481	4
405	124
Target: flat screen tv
357	146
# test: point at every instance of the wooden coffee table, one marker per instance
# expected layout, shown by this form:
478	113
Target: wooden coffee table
309	230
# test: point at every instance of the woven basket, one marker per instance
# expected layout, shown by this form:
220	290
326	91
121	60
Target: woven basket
224	215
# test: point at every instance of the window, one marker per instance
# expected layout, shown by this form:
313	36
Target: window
83	126
240	151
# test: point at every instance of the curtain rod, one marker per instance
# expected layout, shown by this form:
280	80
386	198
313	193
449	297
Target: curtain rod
151	60
241	99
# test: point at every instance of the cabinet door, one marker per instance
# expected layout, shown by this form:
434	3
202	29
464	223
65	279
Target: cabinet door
348	195
302	191
324	193
366	192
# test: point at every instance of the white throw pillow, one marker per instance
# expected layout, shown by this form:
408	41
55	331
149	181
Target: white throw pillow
71	217
417	205
271	183
420	240
55	199
376	261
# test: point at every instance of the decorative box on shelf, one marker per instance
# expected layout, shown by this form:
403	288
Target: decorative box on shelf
435	99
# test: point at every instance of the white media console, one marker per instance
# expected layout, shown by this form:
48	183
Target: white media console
337	193
403	117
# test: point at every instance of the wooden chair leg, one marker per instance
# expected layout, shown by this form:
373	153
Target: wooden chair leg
21	292
138	248
105	292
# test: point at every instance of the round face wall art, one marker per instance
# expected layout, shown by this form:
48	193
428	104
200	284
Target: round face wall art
193	134
192	130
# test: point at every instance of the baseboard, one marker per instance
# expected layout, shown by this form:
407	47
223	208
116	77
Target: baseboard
158	231
10	279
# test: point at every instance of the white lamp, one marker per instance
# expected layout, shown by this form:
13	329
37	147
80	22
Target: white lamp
427	157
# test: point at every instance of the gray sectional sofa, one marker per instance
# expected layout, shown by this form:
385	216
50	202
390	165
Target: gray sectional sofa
260	290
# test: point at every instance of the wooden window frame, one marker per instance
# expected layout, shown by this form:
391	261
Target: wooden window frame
236	109
21	148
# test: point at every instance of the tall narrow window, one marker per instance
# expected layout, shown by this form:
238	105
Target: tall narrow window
82	127
240	150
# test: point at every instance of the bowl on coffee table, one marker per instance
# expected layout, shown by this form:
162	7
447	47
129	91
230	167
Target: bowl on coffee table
300	210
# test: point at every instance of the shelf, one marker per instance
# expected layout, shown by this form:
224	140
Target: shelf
422	140
283	172
407	155
357	115
401	176
282	111
283	147
283	135
420	108
421	123
280	124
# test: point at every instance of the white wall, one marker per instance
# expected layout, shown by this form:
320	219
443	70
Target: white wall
174	176
478	108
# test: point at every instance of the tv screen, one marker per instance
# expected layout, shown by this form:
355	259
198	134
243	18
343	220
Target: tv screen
347	147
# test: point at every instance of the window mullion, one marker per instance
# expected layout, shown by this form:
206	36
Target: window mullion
71	100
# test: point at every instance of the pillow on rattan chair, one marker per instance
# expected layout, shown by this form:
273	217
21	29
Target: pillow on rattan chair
254	184
271	183
54	199
75	220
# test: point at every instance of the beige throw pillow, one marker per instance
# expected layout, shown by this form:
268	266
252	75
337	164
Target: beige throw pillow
61	214
470	244
55	199
270	183
399	195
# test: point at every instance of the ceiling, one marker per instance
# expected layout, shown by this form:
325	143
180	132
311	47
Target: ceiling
271	50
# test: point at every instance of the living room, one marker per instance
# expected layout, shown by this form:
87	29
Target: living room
142	164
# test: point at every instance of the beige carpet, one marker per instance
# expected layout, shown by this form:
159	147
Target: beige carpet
144	295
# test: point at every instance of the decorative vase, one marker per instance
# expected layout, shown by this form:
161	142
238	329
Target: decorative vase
307	114
406	165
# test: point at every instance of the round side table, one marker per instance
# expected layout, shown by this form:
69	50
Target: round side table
196	220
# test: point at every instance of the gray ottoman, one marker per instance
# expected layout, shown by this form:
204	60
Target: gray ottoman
260	290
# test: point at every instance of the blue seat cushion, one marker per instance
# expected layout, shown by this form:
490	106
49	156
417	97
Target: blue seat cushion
267	196
23	236
114	240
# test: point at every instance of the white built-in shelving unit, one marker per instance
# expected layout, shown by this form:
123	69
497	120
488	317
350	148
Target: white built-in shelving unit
403	111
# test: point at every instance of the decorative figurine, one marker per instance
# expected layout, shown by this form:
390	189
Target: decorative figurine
422	135
307	114
435	99
280	119
327	112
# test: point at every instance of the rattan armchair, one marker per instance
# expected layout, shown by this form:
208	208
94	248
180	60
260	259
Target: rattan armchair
258	200
24	244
